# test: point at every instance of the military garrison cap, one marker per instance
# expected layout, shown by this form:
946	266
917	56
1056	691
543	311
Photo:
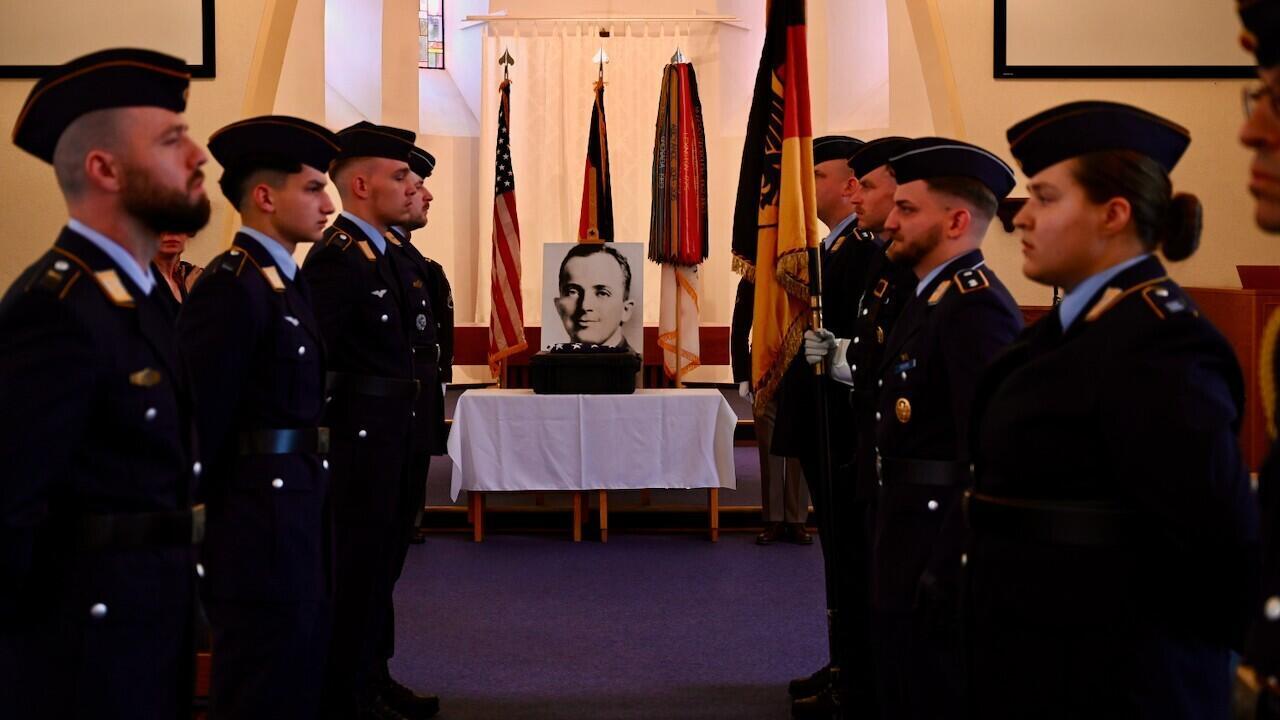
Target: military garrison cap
421	162
1261	35
1080	128
364	139
875	154
834	147
271	138
116	78
925	158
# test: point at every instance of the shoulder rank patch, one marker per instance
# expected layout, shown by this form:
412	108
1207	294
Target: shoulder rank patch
1113	295
882	287
58	278
971	280
942	290
113	288
273	278
368	251
864	234
1162	301
340	238
233	261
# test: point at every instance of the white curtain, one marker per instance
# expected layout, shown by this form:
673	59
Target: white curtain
551	96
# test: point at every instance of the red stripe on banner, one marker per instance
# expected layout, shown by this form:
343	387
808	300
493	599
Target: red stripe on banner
795	83
507	293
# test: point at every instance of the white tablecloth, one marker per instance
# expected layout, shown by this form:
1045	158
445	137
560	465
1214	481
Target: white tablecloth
505	440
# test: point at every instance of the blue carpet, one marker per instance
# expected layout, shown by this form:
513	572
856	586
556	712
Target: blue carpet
646	626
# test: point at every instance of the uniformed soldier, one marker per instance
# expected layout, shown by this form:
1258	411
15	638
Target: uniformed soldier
97	527
256	356
1261	133
959	318
1112	524
369	320
885	294
421	277
845	258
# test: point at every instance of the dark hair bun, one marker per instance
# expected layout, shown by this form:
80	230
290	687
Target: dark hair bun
1179	234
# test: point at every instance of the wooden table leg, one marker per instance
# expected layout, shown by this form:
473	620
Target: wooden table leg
713	508
577	516
604	516
477	516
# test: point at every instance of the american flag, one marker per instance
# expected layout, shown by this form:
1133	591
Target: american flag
506	313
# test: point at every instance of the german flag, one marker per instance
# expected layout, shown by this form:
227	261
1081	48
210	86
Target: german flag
775	222
596	221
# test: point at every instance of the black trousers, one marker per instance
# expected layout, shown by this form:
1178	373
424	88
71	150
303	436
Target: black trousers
414	495
918	676
368	477
268	660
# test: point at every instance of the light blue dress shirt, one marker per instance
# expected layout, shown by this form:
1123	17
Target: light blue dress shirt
141	276
1074	301
279	255
924	282
374	236
839	228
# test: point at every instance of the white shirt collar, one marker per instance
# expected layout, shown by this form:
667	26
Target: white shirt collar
374	236
141	276
1073	302
279	255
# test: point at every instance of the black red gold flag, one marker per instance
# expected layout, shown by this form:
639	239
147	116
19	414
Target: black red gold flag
596	221
775	222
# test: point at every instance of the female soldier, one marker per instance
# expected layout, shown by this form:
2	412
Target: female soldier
1113	528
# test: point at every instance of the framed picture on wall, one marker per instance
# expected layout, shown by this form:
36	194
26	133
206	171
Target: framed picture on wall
1119	39
35	37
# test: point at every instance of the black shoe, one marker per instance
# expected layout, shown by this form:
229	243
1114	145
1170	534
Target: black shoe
812	685
418	537
408	703
798	535
822	706
773	532
378	709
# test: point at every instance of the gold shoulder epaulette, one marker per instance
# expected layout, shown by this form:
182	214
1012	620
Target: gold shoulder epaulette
1163	301
57	278
233	261
339	238
972	280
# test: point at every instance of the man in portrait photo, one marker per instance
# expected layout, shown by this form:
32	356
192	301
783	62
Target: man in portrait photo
594	299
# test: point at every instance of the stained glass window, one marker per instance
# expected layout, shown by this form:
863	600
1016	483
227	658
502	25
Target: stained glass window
431	34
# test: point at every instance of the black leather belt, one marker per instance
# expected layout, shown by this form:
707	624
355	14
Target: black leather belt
431	351
931	473
135	530
285	442
371	385
1096	524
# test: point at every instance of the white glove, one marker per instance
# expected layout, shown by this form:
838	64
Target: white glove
744	389
819	345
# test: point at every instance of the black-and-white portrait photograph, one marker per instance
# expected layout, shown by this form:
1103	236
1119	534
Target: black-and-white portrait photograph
593	293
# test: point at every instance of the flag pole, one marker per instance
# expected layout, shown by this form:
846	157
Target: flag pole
827	529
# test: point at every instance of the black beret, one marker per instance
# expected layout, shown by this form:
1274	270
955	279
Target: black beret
1079	128
925	158
1261	34
834	147
875	154
421	162
121	77
364	139
240	145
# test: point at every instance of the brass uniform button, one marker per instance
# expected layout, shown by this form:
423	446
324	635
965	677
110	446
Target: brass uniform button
903	410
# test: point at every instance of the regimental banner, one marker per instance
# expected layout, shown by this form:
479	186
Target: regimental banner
595	223
678	218
506	312
775	221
